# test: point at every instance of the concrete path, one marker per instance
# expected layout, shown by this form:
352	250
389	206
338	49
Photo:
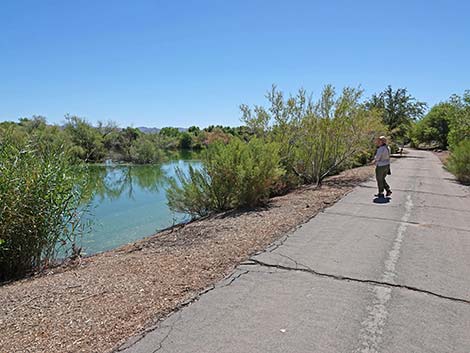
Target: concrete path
359	277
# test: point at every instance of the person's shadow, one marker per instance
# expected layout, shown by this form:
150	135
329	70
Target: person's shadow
381	200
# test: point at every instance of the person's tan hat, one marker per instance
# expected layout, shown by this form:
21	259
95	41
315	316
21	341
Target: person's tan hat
383	139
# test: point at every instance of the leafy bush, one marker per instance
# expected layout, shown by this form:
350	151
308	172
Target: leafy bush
235	175
40	194
143	150
459	161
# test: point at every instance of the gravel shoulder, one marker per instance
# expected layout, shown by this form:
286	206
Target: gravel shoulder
97	304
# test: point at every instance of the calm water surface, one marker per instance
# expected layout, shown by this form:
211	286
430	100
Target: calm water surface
129	203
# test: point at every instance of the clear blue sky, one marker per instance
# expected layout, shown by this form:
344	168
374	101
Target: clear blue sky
180	63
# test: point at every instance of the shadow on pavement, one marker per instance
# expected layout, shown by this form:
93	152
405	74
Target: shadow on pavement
381	200
405	156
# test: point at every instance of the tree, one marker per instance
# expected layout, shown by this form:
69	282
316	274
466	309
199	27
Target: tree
127	137
398	110
87	140
170	132
194	130
216	135
185	141
36	122
143	151
434	127
107	128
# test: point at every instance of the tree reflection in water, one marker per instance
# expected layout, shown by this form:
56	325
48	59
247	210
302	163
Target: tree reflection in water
110	182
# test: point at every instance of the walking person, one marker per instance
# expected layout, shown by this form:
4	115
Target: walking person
382	166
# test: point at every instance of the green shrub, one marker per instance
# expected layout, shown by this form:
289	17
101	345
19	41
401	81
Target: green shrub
460	125
235	175
40	195
361	158
143	151
459	161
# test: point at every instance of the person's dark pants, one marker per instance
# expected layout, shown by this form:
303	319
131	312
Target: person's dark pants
380	174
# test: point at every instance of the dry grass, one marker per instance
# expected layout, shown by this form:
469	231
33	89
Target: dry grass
98	304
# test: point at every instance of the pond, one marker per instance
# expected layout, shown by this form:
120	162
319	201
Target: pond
128	202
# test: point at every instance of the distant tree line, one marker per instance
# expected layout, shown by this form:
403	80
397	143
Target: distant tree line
107	141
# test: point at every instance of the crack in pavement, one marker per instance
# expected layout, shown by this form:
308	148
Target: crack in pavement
309	270
233	279
160	344
136	339
291	259
374	322
132	341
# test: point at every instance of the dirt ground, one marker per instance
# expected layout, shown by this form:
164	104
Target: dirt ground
96	305
443	156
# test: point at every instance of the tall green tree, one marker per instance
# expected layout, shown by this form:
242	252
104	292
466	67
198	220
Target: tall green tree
398	110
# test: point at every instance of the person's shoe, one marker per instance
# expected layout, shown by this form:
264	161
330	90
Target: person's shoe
389	193
379	196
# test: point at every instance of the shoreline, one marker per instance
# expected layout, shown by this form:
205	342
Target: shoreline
99	302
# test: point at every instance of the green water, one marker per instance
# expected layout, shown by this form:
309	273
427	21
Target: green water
129	203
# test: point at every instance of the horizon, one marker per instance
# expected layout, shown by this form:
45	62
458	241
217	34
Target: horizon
62	124
155	64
